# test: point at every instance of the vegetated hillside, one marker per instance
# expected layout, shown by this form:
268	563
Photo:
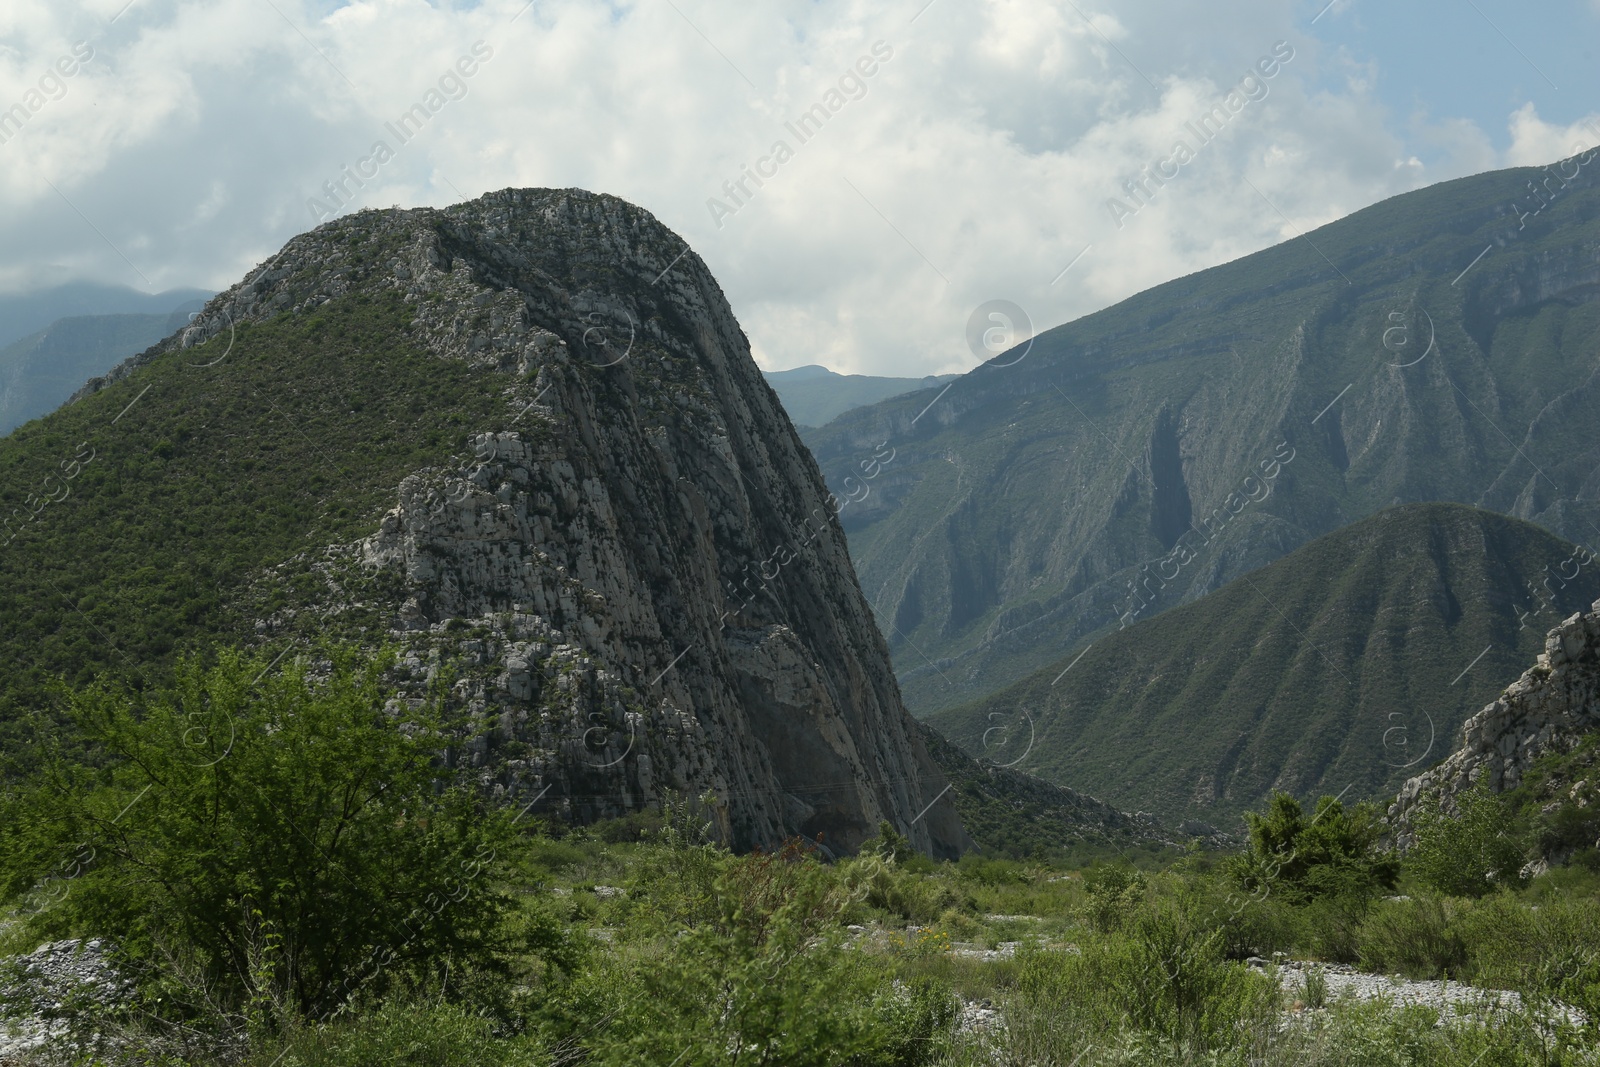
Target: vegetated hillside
39	372
1341	668
1011	813
1212	424
505	437
814	395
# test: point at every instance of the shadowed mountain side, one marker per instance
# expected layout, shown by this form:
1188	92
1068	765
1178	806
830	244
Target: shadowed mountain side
1013	813
38	373
1223	419
1341	668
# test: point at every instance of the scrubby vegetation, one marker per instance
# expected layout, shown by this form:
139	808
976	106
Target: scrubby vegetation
289	882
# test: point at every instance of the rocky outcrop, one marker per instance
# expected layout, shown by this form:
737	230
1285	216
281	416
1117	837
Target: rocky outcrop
633	573
1549	709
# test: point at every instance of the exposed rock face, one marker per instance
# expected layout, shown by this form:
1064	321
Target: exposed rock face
1549	709
639	575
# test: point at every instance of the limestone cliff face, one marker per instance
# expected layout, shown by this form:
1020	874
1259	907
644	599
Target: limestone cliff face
1549	709
637	576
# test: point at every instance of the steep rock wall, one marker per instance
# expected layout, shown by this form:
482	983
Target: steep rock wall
637	574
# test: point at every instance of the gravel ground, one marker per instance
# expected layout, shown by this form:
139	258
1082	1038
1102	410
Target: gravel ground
35	987
1448	997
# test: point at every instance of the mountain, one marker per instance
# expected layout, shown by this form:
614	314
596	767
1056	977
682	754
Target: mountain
39	372
1439	346
1341	668
814	395
28	312
523	440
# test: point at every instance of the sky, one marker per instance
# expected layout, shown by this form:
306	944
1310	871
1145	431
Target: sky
960	152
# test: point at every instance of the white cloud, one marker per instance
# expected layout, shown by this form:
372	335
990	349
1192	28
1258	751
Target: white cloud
989	143
1535	142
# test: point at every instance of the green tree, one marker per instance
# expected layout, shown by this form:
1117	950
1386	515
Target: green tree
1334	852
278	835
889	843
1471	852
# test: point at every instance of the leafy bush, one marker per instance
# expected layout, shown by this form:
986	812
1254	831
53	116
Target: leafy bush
404	1034
1164	975
1115	894
1470	853
765	978
1416	937
903	893
1335	852
267	839
1549	951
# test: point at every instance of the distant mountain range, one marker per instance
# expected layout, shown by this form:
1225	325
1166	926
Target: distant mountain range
38	373
1443	345
25	313
54	340
814	396
1345	667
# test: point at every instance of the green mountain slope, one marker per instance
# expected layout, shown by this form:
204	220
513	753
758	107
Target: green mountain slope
39	372
1011	813
815	395
1347	665
148	519
1439	346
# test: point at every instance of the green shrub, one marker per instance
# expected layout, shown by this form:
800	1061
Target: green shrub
905	894
1314	987
1115	895
1415	937
1335	852
1164	976
267	838
767	978
1470	853
403	1034
1328	926
1549	951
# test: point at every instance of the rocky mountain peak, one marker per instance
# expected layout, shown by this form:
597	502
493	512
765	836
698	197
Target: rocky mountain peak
634	571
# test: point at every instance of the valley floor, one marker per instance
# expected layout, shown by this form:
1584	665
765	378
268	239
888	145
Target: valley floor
892	959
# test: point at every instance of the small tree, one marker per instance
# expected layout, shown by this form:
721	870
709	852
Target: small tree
1470	853
279	836
889	843
1334	852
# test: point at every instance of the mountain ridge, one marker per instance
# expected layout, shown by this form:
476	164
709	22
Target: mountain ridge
1041	488
813	395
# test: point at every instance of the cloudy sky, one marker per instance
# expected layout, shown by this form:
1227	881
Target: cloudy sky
970	151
